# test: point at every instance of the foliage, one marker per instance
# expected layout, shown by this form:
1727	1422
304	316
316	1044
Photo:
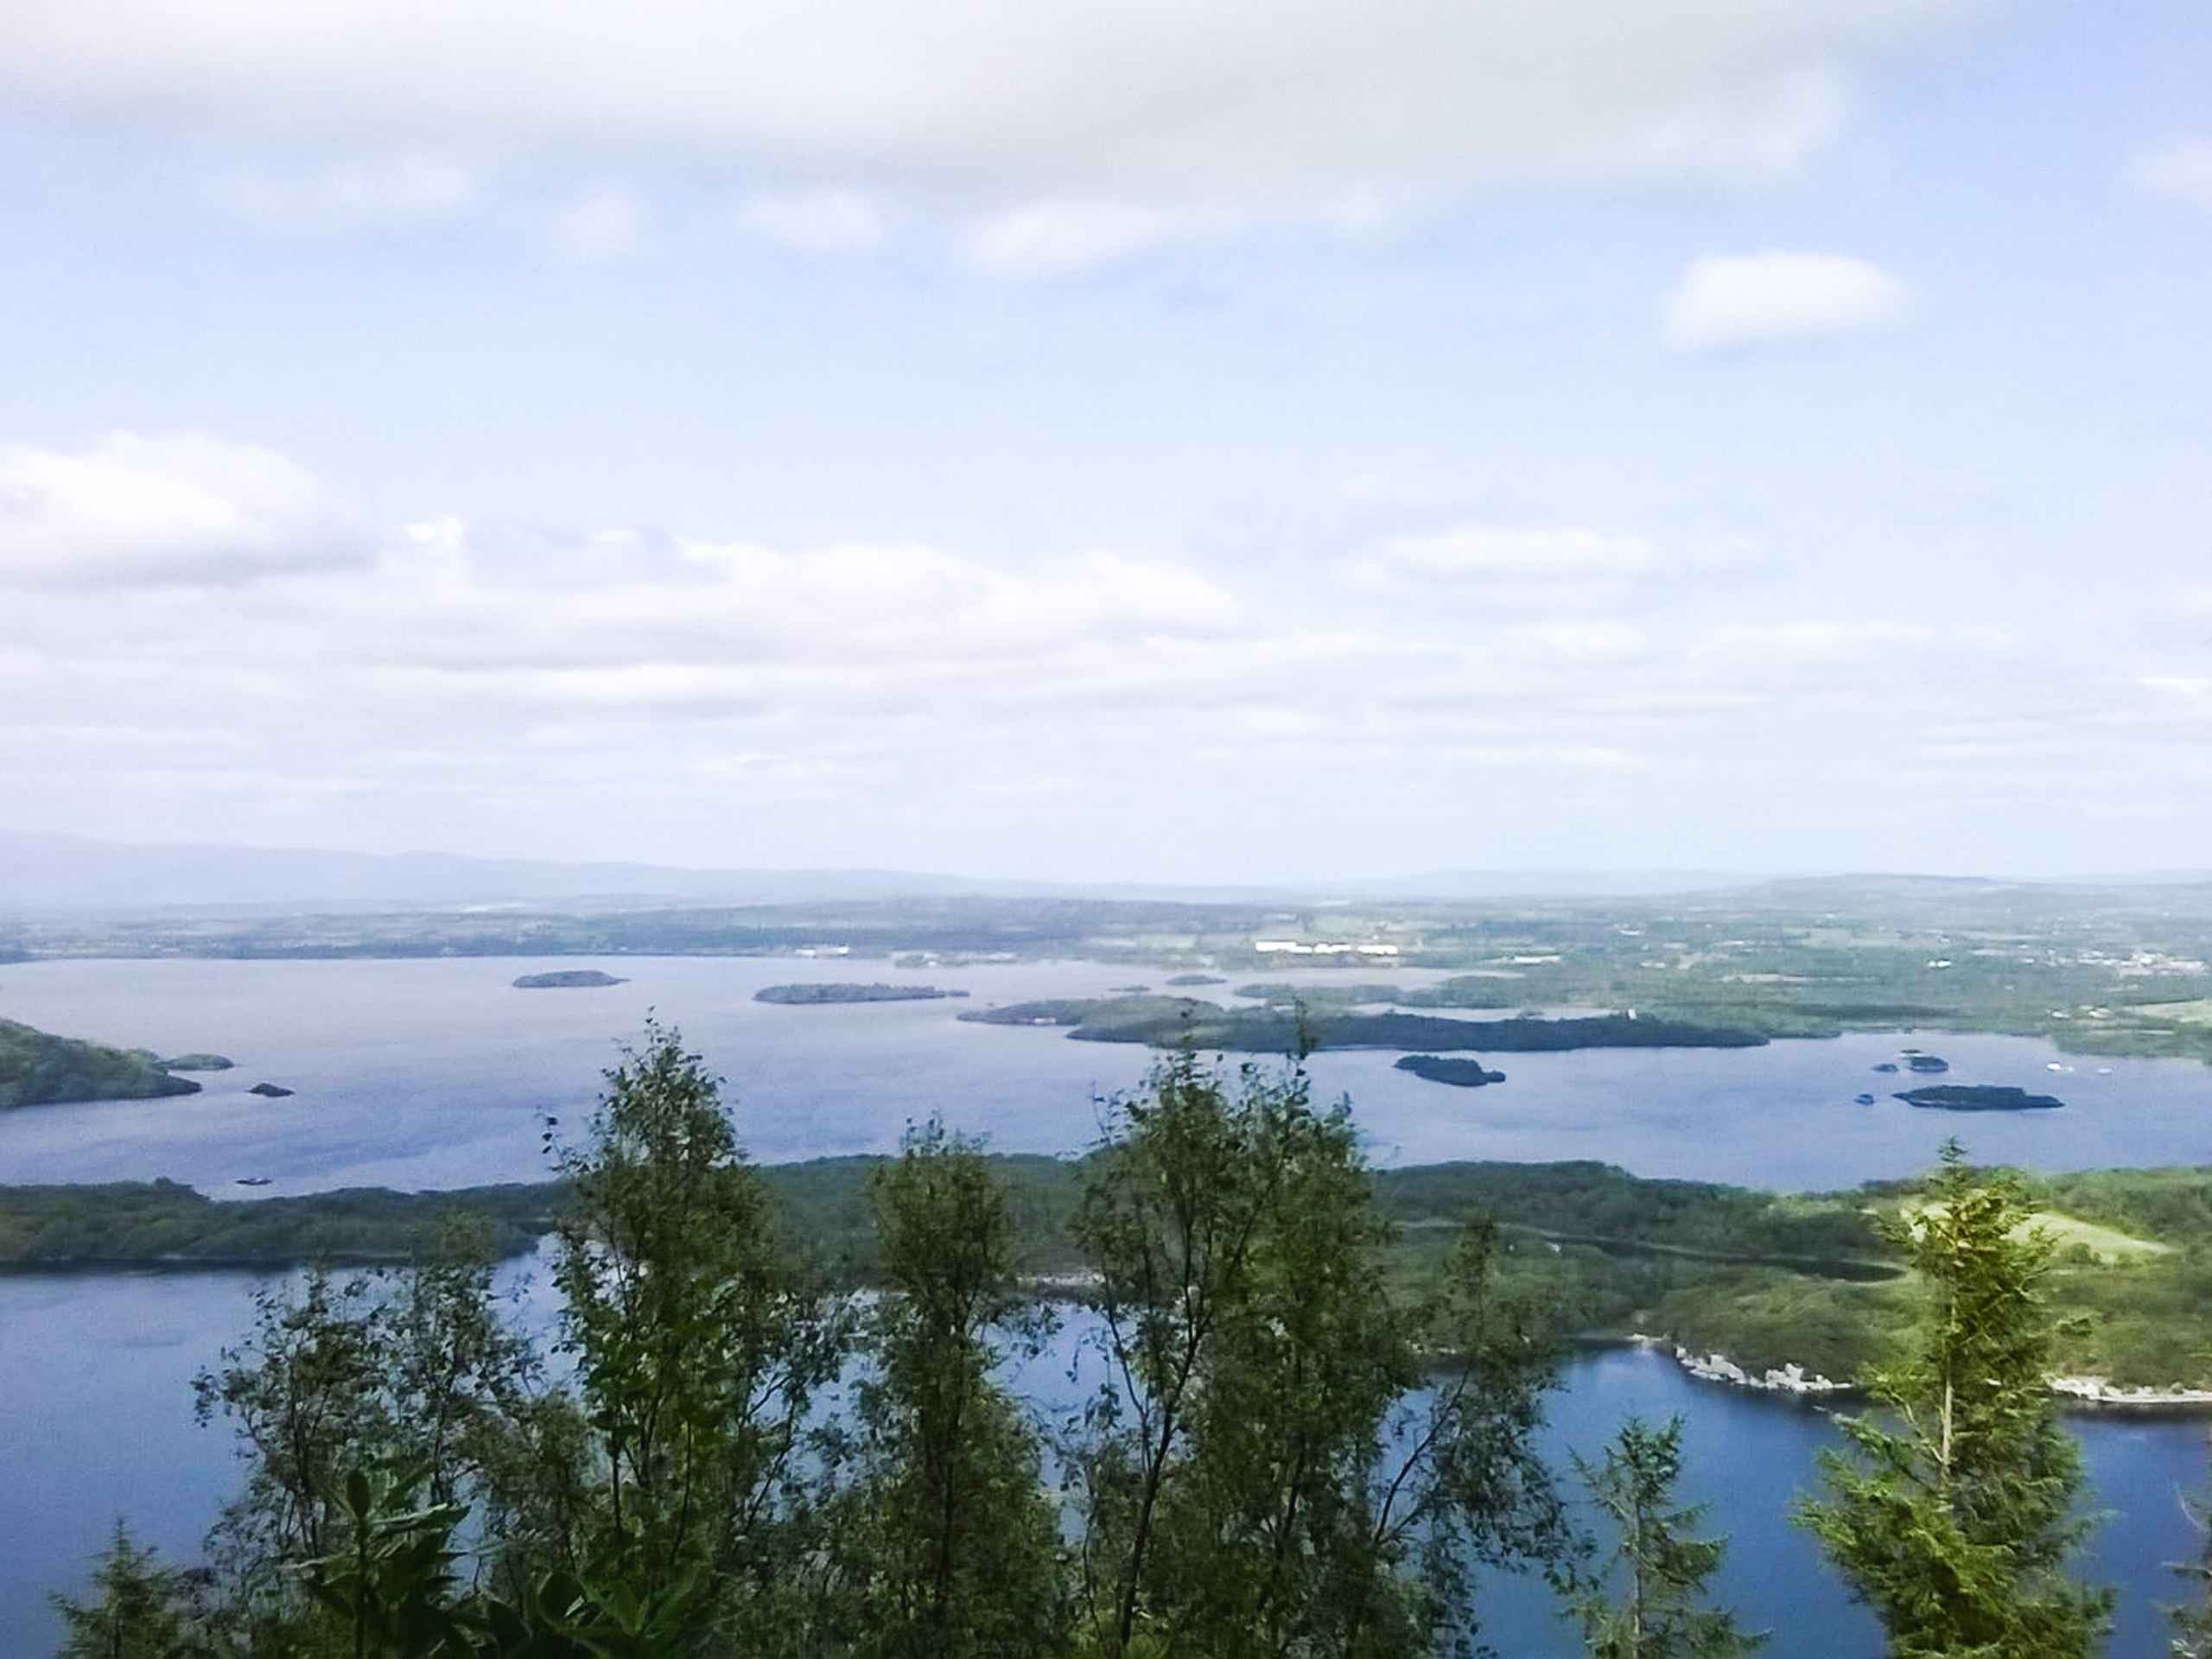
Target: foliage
1246	1481
1955	1520
390	1580
1661	1566
699	1343
1192	1023
36	1067
956	1542
142	1609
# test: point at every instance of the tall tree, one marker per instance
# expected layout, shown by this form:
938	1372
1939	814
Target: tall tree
963	1541
699	1342
1246	1487
1956	1519
1649	1599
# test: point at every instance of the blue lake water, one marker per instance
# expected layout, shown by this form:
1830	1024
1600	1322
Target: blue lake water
434	1074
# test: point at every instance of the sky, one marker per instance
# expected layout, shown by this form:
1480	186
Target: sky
1113	440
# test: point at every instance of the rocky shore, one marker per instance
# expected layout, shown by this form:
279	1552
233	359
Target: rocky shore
2094	1392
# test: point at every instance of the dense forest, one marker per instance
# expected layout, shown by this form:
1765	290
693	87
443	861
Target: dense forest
1316	1420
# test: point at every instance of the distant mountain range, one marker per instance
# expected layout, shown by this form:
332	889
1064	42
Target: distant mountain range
44	871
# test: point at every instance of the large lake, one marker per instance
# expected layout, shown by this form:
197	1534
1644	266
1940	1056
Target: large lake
432	1074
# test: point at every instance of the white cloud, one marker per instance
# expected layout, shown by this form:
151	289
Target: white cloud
816	221
1056	239
1576	643
458	681
1727	303
1815	646
1486	553
1565	568
1237	105
2181	172
182	509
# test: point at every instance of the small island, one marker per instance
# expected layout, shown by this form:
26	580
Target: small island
1926	1063
1979	1098
1197	979
807	996
270	1091
567	979
1461	1074
196	1063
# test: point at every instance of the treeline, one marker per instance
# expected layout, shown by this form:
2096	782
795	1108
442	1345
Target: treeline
1768	1280
1193	1022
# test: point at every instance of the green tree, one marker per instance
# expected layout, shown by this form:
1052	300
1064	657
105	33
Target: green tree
699	1344
1648	1601
307	1393
1248	1482
391	1586
1955	1520
963	1540
140	1610
2192	1619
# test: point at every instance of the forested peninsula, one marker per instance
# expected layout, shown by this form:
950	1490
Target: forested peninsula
37	1069
1185	1021
1768	1280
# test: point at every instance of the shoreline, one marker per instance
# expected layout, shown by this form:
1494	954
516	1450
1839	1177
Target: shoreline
2090	1396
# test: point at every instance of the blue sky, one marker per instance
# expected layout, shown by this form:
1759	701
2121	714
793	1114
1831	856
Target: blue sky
1132	441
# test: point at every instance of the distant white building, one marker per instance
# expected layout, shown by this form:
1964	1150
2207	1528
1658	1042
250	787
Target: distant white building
1319	948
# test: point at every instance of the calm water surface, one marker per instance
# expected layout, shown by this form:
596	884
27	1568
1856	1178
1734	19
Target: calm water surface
436	1073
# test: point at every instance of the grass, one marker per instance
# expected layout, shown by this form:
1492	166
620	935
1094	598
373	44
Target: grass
2195	1013
2108	1246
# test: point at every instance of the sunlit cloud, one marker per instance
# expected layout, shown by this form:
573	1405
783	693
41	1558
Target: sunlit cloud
1734	302
1057	238
1239	107
179	508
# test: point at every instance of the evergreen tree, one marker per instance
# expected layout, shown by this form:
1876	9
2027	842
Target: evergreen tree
1650	1601
1955	1520
141	1610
